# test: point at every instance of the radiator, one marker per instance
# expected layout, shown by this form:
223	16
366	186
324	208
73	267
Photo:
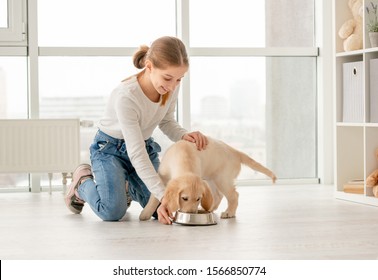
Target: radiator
39	145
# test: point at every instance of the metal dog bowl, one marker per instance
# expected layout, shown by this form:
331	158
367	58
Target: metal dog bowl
202	218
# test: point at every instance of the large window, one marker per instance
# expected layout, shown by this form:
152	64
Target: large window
252	79
13	87
224	23
84	85
257	105
257	23
3	13
114	23
13	105
243	94
12	22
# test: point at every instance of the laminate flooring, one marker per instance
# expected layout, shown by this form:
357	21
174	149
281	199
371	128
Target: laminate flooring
281	222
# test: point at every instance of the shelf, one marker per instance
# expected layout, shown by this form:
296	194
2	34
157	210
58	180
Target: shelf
343	54
357	52
356	142
345	124
359	198
369	50
371	125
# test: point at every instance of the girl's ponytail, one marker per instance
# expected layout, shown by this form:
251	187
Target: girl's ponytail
139	56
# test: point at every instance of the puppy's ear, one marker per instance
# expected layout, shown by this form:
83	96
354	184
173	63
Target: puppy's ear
207	197
172	195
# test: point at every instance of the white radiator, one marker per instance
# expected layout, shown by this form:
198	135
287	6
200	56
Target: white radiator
39	145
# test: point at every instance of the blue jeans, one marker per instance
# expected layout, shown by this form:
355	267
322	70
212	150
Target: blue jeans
111	166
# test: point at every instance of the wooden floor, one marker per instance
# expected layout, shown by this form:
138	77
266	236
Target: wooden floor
273	223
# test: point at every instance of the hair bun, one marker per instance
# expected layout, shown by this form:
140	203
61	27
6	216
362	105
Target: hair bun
139	56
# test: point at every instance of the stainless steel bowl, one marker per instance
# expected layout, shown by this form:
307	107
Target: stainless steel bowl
202	218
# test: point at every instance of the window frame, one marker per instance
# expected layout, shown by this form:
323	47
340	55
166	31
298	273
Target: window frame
15	33
22	11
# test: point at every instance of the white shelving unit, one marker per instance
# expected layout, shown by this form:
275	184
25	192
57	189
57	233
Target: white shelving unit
355	143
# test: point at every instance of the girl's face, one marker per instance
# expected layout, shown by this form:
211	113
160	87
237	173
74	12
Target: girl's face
166	80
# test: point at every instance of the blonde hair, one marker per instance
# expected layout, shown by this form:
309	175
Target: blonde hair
164	52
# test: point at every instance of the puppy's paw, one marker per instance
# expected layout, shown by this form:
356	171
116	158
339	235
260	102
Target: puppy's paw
145	215
227	215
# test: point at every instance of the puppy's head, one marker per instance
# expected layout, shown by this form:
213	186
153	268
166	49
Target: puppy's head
186	193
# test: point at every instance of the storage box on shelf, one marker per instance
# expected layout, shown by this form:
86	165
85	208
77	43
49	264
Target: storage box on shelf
353	96
356	110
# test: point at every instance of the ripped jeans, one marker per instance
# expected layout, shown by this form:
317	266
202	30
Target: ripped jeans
111	166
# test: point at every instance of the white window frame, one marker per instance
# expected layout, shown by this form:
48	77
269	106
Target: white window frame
17	45
15	33
182	30
184	111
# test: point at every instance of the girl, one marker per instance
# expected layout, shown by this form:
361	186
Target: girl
123	152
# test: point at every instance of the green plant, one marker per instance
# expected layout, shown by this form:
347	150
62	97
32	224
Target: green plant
372	25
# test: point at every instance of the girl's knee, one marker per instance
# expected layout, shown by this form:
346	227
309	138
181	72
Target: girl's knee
113	213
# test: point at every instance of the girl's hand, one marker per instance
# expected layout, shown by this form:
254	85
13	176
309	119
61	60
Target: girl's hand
198	138
164	215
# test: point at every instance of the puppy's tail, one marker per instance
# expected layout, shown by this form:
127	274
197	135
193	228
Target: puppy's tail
248	161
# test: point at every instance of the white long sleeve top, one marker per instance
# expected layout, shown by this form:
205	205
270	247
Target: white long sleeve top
132	116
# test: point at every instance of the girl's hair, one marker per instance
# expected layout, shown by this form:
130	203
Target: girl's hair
163	52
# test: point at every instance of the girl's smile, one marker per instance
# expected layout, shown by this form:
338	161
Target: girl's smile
156	82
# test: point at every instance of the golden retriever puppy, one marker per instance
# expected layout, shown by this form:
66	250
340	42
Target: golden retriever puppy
187	192
194	177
